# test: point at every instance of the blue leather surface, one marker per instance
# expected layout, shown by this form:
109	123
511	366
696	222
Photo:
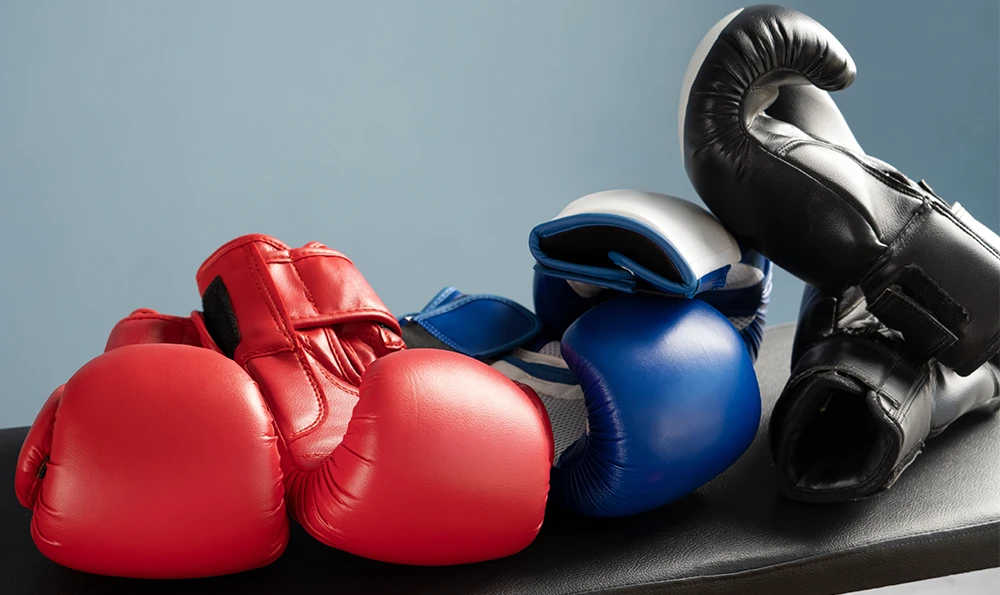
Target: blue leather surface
672	401
479	325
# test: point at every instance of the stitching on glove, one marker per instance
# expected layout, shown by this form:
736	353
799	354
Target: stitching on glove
305	288
275	316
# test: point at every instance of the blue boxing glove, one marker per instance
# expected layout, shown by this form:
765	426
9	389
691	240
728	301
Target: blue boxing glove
631	241
649	397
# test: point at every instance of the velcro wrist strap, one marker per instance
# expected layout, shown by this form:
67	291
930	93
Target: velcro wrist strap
480	326
937	283
918	324
273	290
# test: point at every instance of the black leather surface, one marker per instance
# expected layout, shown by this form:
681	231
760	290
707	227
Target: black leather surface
735	535
825	212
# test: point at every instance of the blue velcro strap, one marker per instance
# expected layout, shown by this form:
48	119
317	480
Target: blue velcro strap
620	282
621	272
480	326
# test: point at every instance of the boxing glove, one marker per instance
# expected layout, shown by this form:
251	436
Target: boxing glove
860	404
627	241
793	184
649	397
155	461
383	452
414	456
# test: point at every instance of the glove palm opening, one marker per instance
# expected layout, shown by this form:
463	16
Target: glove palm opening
592	245
839	445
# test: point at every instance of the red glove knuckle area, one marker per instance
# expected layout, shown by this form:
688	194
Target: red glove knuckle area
401	442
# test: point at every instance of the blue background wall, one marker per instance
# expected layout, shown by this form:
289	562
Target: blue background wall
424	139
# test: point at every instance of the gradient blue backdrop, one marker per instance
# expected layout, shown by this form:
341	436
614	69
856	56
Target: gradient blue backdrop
424	139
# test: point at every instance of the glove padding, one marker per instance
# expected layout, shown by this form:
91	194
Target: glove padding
155	461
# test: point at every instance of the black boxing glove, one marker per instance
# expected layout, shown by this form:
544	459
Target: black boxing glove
859	404
770	154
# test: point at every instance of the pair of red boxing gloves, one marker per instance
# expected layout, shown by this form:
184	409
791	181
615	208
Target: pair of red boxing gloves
182	450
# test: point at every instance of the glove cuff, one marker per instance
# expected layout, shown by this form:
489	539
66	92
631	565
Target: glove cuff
281	289
853	416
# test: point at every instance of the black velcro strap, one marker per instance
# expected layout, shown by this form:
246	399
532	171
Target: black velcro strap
416	337
220	319
921	329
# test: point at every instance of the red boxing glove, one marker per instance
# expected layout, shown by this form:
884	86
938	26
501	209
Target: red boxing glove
155	461
420	456
443	460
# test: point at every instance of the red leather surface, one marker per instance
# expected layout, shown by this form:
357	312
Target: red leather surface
288	303
159	461
149	326
36	448
443	463
443	460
